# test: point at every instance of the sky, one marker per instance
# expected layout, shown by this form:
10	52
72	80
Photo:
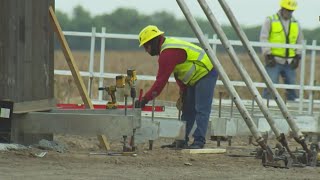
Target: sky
248	12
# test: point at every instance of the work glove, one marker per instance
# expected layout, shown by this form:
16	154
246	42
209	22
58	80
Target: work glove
295	61
140	104
179	103
270	61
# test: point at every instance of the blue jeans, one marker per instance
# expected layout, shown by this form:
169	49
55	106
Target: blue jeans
197	106
289	77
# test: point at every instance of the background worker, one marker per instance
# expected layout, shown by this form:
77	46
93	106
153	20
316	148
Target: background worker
282	28
194	73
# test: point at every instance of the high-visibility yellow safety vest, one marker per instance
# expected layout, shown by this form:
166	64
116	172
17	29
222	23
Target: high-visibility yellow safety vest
196	65
278	35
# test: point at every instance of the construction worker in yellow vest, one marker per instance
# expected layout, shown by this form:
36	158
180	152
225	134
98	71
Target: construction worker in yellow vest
194	74
282	28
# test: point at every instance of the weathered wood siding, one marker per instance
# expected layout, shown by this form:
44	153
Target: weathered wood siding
26	50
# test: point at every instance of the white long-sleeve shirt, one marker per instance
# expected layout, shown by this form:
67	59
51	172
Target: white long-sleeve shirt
265	32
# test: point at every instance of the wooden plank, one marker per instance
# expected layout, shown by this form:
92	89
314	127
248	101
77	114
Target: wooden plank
104	142
70	60
204	151
75	71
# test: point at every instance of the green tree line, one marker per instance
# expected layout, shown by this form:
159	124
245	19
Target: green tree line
130	21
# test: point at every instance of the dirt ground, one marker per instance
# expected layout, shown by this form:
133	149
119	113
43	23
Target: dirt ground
77	163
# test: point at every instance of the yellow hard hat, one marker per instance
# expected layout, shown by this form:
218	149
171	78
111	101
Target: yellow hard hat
148	33
289	4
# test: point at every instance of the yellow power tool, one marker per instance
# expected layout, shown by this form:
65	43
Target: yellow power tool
111	91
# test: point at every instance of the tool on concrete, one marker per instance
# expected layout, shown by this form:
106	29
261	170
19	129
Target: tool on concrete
111	90
127	82
121	83
130	80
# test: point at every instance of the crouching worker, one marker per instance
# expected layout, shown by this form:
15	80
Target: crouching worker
194	74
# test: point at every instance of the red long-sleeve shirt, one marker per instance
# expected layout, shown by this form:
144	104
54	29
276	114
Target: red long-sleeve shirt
167	61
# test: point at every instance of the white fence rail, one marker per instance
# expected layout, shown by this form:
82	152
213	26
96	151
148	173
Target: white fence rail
301	86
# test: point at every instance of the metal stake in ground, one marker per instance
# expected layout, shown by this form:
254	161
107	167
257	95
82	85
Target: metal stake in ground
154	95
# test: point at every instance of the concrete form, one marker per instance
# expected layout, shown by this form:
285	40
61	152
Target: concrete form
29	128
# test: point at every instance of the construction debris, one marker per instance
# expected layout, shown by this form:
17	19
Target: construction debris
51	145
7	147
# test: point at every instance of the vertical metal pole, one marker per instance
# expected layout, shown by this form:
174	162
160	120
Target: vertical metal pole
125	104
154	95
312	74
297	133
220	104
231	109
91	60
90	86
252	108
205	44
214	45
302	75
244	74
103	43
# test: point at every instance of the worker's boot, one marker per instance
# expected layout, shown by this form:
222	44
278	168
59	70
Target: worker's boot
196	145
177	144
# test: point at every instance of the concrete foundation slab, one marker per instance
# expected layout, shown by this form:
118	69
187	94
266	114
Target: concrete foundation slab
79	123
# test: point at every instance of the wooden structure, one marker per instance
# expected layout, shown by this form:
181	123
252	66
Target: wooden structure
26	52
